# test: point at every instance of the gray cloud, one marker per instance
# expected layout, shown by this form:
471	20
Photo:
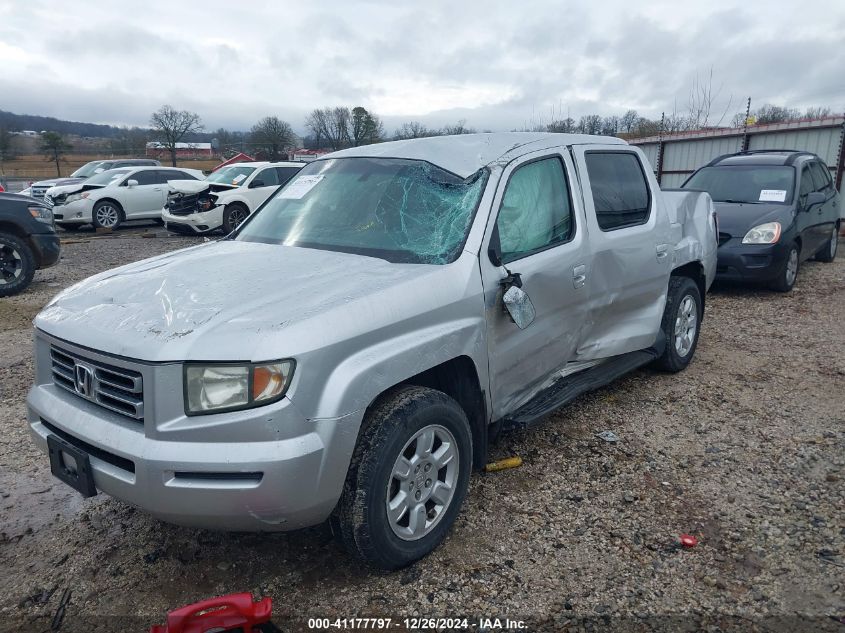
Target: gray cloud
500	66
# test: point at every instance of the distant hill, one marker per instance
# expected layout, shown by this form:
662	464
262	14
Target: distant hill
16	122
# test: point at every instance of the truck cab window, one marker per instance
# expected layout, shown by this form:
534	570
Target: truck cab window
619	188
536	212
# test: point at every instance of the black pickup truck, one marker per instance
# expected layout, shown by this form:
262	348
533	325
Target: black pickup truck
28	241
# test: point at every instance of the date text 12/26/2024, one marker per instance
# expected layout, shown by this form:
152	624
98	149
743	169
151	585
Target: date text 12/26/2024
417	624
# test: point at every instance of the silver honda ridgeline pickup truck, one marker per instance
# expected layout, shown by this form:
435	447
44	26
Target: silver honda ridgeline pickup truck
350	350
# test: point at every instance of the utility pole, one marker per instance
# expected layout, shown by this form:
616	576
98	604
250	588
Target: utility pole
658	168
744	147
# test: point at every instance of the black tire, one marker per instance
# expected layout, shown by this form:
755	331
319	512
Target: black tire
361	515
828	253
233	215
785	280
17	265
677	356
116	214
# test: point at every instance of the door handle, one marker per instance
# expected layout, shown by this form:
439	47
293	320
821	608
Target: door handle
662	251
579	276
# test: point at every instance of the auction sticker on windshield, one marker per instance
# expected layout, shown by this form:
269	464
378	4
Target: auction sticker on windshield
299	187
772	195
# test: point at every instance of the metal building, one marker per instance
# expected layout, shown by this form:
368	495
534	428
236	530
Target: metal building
675	156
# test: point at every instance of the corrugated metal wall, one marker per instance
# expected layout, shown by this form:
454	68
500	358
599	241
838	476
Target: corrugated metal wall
683	154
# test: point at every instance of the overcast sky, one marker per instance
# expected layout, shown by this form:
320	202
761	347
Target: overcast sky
499	65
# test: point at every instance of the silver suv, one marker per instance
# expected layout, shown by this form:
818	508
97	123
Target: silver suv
350	350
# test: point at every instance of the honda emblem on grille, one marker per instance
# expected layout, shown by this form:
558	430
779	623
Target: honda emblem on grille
83	380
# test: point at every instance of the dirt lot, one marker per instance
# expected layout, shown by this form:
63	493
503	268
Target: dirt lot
743	450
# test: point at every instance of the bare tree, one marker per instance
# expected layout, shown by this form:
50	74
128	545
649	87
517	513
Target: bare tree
273	136
817	113
775	114
628	121
54	147
566	126
129	141
610	126
413	129
331	124
7	152
170	126
589	124
459	128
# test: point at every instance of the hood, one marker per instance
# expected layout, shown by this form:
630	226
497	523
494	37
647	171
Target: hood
57	182
232	300
196	186
736	219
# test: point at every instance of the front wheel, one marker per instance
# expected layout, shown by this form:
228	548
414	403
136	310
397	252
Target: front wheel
408	478
828	253
17	265
233	215
106	215
788	272
681	320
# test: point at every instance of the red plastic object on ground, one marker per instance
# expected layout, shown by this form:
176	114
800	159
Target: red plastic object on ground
688	540
235	611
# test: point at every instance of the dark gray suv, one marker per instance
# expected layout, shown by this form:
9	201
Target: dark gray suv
776	208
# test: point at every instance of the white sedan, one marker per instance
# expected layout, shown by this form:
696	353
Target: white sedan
114	196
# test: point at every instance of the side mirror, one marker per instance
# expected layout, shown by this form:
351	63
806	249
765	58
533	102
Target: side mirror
519	306
131	183
814	198
255	184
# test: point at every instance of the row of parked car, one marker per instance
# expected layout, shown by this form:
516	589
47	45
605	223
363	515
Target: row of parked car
392	309
107	193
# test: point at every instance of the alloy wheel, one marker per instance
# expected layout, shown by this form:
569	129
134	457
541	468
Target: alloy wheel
11	264
792	267
686	324
107	216
422	482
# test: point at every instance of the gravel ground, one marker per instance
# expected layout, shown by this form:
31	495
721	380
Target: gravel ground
743	450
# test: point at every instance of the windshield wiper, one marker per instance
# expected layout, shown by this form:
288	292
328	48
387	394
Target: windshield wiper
739	201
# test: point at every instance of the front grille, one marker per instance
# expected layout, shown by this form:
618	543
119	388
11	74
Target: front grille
723	237
38	192
187	204
114	388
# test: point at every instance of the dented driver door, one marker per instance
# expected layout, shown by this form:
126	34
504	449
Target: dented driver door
536	237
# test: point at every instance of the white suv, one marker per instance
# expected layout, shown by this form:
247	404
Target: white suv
225	198
116	195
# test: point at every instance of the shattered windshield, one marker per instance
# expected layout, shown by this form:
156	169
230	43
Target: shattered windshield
397	209
230	175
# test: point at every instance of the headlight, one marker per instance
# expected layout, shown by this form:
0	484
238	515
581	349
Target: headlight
768	233
76	196
42	214
225	387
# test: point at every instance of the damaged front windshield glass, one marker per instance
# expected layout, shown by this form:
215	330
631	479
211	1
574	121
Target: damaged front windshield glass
397	209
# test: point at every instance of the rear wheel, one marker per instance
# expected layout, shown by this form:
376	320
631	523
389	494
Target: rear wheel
788	272
233	215
17	265
408	478
106	215
681	320
828	253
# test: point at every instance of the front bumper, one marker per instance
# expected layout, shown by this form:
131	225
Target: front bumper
265	469
750	262
76	212
196	222
46	247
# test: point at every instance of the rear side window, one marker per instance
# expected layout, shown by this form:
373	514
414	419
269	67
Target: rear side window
821	176
536	211
619	188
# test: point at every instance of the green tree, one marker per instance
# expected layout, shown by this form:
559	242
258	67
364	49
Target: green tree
170	126
366	127
54	147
